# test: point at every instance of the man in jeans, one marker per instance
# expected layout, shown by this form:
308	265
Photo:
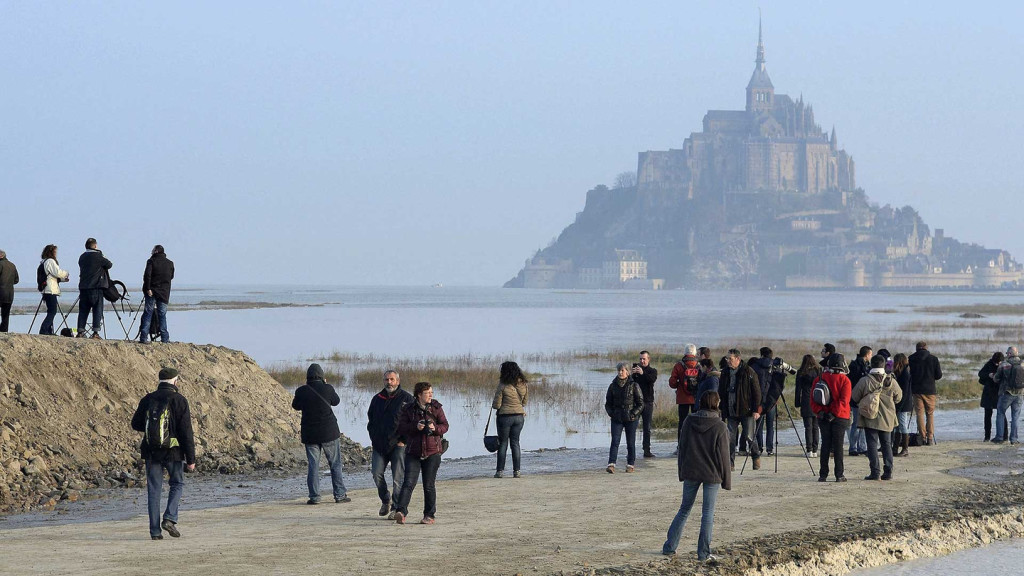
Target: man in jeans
1010	377
740	391
645	375
320	432
92	279
166	423
388	446
156	285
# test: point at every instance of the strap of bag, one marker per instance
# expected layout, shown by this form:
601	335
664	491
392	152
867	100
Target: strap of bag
313	390
488	426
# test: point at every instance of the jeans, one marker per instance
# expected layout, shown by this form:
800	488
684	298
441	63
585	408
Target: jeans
154	483
734	436
147	319
904	420
767	428
684	411
811	436
832	435
617	428
1013	402
413	466
5	315
857	440
46	327
378	465
647	415
874	438
509	427
332	450
707	518
90	300
924	405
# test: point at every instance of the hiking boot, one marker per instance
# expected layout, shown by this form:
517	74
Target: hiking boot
610	469
312	501
427	520
757	463
399	518
342	500
384	508
872	476
629	469
499	474
96	337
169	527
517	474
886	473
157	537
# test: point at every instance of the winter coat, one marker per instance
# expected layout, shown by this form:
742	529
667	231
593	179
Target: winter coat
157	277
924	371
709	383
763	368
676	380
646	382
704	449
54	276
748	391
8	278
315	399
181	425
422	443
771	394
623	402
858	369
382	419
802	398
1004	374
889	396
990	388
510	399
907	403
92	267
839	388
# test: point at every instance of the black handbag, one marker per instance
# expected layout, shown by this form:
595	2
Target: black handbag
491	443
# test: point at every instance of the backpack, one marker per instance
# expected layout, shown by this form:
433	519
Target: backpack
1016	380
158	434
690	375
41	277
868	405
820	393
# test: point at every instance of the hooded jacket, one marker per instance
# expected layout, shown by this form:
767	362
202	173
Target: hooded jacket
889	395
315	399
157	277
859	368
422	443
839	388
91	268
382	418
924	371
181	425
8	278
990	388
704	449
623	402
677	380
748	391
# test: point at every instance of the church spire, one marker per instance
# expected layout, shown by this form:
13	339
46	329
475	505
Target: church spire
760	44
760	92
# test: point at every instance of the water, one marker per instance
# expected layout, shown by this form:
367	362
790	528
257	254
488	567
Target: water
1003	557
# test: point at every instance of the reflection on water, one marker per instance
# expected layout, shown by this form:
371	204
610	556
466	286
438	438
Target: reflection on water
1005	557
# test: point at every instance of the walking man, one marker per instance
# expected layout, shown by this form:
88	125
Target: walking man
164	419
740	391
924	371
156	285
645	375
1010	377
92	279
388	445
8	278
320	432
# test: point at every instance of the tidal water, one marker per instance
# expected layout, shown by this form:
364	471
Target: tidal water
1004	557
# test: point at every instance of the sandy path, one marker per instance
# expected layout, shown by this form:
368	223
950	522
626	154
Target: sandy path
539	524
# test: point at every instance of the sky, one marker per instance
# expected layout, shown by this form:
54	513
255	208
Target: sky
406	143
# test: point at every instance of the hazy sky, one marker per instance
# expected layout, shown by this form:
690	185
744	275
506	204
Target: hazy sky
422	142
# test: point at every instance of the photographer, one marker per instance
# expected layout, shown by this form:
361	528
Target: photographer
156	285
776	384
423	424
51	288
320	433
645	375
771	382
92	279
833	416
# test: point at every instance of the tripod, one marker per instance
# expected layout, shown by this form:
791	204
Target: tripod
39	307
795	431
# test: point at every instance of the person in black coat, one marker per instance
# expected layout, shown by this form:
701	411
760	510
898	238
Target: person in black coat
320	432
805	375
388	445
8	278
156	286
989	390
165	446
623	402
905	407
924	371
92	279
645	376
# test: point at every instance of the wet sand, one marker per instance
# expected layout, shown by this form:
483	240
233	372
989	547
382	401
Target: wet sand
572	522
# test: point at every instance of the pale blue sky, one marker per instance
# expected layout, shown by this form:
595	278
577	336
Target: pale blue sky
413	143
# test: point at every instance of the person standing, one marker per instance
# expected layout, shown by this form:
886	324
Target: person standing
905	407
510	402
859	368
878	425
834	417
685	379
646	375
623	402
156	285
710	375
924	371
388	445
809	370
92	279
768	380
741	391
990	391
8	278
320	433
1010	377
423	424
164	419
703	460
51	288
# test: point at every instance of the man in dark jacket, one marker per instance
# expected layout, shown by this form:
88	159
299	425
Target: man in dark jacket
859	368
92	279
645	375
166	423
740	392
320	432
156	285
388	446
924	371
8	278
765	377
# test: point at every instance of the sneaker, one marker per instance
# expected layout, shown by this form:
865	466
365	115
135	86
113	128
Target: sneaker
391	516
517	474
384	508
610	469
399	518
157	537
629	469
427	520
770	452
169	527
499	474
342	500
312	501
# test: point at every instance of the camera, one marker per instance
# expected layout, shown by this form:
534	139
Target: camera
636	364
781	365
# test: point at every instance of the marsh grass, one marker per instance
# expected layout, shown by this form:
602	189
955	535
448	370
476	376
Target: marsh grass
987	309
292	374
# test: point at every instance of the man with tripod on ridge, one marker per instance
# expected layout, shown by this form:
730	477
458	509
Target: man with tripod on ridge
92	279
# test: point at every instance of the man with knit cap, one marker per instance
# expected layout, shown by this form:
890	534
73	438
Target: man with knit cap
320	432
167	444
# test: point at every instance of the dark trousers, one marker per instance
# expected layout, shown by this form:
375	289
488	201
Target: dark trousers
874	438
5	315
988	423
413	466
832	435
51	312
684	411
811	437
646	416
767	428
154	483
509	428
378	465
613	451
91	301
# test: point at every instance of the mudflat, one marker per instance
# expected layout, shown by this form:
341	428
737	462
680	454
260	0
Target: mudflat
572	522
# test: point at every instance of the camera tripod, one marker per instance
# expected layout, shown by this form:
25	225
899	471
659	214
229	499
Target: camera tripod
124	298
795	431
64	319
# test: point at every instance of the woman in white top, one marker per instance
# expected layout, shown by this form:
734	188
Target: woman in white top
54	276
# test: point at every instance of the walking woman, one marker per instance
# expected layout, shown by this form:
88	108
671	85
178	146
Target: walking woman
905	407
510	402
879	422
989	390
623	403
54	276
703	461
809	370
422	423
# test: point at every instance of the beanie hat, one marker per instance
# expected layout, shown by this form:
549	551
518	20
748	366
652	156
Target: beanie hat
315	372
167	374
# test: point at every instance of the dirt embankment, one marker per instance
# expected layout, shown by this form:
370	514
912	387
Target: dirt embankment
66	408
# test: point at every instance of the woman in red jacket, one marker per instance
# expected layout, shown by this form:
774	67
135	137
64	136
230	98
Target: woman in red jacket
422	423
833	418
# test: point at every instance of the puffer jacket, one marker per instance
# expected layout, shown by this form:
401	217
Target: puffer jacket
54	276
889	396
510	399
623	402
422	443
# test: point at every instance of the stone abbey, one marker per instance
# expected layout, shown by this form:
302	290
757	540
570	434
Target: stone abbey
760	198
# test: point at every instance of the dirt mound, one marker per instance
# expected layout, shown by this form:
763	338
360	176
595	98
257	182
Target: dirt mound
66	408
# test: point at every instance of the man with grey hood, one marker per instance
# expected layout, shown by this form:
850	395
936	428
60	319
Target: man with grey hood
1010	377
320	432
